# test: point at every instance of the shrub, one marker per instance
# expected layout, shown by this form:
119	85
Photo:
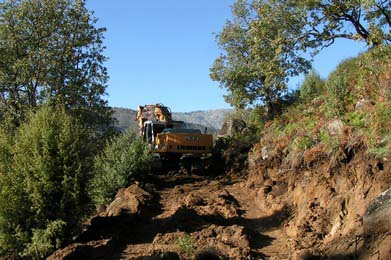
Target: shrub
44	241
312	86
186	246
373	74
6	141
356	119
51	162
337	87
379	130
124	158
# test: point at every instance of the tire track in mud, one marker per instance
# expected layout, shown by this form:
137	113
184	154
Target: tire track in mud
146	221
215	213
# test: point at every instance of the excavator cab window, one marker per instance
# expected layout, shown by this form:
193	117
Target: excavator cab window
148	133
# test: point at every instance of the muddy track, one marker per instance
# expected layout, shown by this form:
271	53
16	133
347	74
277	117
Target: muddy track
264	215
210	213
198	206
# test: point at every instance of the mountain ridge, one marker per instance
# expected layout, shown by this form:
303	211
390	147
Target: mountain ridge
212	119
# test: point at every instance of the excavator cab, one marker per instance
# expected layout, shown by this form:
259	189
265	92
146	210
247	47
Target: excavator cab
153	127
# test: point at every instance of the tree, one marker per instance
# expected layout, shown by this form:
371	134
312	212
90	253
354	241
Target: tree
267	42
123	159
44	195
312	86
327	20
260	54
51	50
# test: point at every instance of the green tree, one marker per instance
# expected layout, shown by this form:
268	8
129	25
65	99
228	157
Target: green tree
124	158
51	50
267	42
312	86
260	54
44	190
327	20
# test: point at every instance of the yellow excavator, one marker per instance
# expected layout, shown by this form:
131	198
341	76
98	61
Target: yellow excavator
168	138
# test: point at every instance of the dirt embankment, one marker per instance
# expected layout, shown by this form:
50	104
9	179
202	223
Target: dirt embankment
265	212
329	204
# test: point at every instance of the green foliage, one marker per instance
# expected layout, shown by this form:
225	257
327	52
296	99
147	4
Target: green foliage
257	120
379	130
52	50
303	142
371	70
125	157
267	42
6	142
367	21
15	215
51	163
259	55
44	241
186	246
338	90
312	86
329	140
356	119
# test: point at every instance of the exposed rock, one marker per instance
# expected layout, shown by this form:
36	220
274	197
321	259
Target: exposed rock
235	157
265	153
233	126
335	127
377	218
363	104
377	228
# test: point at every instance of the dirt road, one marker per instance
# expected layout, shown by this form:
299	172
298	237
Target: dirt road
259	214
182	214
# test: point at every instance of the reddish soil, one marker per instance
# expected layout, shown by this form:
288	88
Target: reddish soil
264	213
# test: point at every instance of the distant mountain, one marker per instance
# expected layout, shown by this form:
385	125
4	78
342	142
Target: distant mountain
212	119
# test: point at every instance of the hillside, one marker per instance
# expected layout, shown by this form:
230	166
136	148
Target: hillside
213	119
293	174
316	186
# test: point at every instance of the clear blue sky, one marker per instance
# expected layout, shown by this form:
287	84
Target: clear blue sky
161	52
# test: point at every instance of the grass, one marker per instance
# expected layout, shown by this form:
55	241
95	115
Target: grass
186	246
302	128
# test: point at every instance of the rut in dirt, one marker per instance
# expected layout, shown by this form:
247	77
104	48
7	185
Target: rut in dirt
210	213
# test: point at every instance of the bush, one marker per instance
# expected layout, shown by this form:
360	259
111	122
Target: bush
44	241
187	246
379	130
124	158
337	87
312	86
45	183
6	142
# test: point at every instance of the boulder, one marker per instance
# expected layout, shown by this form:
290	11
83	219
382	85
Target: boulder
363	104
233	126
335	127
265	153
377	218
